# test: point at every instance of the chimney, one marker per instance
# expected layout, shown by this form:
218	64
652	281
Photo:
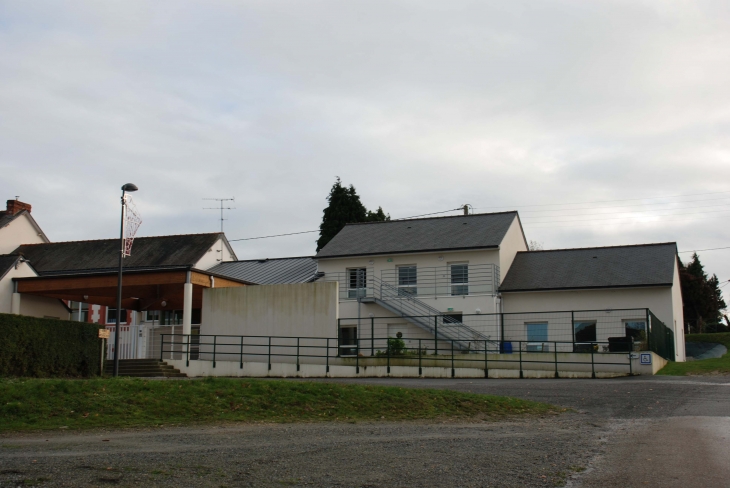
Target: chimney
15	206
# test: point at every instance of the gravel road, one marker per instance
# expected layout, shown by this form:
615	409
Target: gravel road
623	432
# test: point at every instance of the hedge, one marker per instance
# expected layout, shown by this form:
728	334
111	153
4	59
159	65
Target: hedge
31	346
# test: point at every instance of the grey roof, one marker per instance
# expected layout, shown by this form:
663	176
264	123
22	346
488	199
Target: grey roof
270	271
100	255
476	231
7	261
596	267
6	218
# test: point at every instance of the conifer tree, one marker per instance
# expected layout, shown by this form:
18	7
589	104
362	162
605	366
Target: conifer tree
702	297
344	207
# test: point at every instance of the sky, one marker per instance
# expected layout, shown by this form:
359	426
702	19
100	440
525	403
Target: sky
602	123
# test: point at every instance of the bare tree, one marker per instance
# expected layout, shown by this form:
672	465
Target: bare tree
534	246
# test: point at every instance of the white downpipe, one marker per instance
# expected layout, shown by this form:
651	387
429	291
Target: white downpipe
15	304
187	308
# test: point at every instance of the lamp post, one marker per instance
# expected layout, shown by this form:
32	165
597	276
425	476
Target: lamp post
129	187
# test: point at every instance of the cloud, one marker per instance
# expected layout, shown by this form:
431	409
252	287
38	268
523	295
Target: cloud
422	105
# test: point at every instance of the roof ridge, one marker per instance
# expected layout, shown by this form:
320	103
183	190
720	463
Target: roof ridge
433	218
600	247
116	239
265	259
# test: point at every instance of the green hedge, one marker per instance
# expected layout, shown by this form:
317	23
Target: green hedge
30	346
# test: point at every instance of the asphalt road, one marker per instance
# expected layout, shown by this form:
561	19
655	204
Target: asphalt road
639	431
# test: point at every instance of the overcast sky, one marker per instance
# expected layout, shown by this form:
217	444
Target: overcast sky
615	108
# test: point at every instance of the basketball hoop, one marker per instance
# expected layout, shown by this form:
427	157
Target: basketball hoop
132	221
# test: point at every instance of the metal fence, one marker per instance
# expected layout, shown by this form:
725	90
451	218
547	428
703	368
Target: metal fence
394	352
568	331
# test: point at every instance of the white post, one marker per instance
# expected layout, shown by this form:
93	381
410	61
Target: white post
187	306
15	304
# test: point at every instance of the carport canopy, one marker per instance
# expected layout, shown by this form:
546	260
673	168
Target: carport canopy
148	289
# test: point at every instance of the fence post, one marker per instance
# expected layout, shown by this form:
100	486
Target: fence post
501	331
357	356
420	370
187	351
572	327
162	346
631	366
269	353
486	360
648	330
241	362
453	373
388	353
436	333
555	347
519	344
338	337
372	336
593	367
297	353
214	341
327	354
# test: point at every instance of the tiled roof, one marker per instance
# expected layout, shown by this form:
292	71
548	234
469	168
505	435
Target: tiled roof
270	271
597	267
147	252
7	261
476	231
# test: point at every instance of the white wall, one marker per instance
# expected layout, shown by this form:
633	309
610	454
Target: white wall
514	241
213	256
19	231
29	304
660	300
678	313
296	310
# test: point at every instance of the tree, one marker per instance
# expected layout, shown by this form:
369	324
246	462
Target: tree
703	303
535	245
344	207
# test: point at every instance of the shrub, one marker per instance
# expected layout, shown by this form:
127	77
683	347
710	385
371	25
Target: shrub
31	346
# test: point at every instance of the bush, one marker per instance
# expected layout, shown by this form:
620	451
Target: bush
31	346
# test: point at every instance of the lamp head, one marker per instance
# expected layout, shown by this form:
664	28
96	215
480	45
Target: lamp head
130	187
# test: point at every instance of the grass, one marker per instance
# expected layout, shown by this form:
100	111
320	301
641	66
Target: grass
703	366
31	404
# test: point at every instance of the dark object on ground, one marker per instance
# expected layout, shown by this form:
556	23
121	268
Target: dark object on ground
704	350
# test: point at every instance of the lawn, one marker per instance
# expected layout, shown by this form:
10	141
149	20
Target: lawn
704	366
31	404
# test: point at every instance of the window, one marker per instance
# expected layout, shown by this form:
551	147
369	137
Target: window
459	279
407	280
151	315
111	316
537	336
357	282
348	341
453	318
636	329
584	331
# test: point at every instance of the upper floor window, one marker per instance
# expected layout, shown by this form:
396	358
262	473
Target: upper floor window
459	279
407	280
357	279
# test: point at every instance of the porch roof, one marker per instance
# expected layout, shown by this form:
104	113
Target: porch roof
142	289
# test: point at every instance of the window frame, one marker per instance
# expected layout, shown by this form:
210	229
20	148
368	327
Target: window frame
459	288
354	292
411	288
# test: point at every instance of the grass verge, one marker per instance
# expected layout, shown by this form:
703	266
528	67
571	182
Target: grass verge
703	366
30	404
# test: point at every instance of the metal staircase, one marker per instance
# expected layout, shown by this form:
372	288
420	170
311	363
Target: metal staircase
423	315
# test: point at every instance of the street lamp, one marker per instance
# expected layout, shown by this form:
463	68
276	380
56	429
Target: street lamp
129	187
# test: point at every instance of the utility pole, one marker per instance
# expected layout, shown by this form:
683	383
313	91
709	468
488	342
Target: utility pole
221	207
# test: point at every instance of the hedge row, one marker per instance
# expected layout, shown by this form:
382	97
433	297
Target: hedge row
31	346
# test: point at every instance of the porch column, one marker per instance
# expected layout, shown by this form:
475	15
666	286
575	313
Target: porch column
15	300
187	306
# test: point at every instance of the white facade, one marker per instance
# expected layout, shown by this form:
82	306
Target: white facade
21	230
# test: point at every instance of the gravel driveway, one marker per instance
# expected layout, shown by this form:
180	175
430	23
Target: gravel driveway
623	432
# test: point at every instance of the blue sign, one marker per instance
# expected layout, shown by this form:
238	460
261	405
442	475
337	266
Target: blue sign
645	358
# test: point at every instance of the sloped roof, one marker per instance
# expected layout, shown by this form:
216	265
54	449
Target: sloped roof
596	267
476	231
270	271
147	252
6	218
7	261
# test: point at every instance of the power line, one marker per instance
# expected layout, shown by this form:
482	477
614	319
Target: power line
277	235
609	201
434	213
700	250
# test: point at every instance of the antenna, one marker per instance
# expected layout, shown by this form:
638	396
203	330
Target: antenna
221	208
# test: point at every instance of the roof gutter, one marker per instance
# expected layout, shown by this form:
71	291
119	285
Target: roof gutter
578	288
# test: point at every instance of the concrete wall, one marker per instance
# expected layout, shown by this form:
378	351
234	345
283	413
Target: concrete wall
678	314
660	300
296	310
29	305
19	231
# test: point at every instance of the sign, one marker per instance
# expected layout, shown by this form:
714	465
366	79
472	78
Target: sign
645	358
104	333
633	355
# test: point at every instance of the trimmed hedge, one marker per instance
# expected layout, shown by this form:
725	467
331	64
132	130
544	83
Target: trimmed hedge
43	348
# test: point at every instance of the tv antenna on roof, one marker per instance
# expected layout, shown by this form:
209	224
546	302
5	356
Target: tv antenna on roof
222	207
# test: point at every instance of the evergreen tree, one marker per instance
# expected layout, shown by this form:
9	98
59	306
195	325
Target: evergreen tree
344	207
703	303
